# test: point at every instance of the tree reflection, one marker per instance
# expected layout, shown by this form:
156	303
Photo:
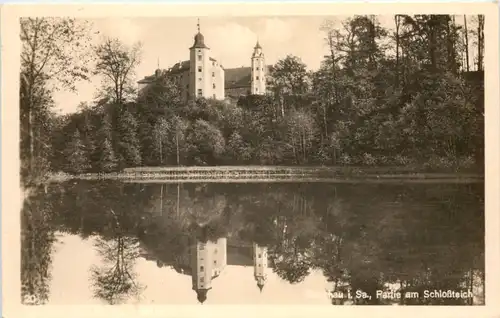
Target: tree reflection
37	239
363	237
115	280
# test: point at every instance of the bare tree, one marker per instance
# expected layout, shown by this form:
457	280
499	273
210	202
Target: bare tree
117	62
466	37
480	42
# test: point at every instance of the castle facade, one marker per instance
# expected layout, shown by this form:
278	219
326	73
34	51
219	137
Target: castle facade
203	76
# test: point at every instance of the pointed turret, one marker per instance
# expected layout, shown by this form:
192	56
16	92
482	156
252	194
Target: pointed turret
201	295
258	81
260	285
199	39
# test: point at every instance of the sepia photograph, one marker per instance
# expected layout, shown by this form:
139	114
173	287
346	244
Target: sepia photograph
327	159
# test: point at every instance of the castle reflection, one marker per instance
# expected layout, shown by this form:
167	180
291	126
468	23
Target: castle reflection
205	261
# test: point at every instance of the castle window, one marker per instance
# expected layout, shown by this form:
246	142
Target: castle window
202	246
259	265
200	92
201	268
260	256
257	68
199	79
199	68
213	74
215	262
213	85
202	280
199	57
257	78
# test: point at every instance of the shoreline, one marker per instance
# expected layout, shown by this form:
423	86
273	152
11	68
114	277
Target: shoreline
276	174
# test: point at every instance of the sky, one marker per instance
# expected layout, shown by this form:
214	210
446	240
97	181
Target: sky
231	41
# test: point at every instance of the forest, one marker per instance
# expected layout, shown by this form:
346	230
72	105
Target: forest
411	95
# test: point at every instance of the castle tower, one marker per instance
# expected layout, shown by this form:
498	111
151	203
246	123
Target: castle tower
199	71
258	81
260	265
208	260
201	267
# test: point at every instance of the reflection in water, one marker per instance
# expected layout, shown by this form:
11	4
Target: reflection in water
115	280
371	241
37	239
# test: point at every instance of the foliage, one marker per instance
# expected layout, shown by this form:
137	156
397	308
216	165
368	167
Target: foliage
381	97
77	155
54	54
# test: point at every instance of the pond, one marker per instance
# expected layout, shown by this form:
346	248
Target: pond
110	242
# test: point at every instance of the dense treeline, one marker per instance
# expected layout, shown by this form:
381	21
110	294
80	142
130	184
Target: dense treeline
404	96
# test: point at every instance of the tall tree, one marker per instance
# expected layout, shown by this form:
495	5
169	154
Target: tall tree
160	132
289	80
480	42
116	62
466	38
54	55
127	143
78	159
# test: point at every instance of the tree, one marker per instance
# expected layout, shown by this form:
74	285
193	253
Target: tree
179	126
107	162
289	79
116	63
301	135
160	132
77	155
238	150
480	42
206	142
53	55
127	144
466	38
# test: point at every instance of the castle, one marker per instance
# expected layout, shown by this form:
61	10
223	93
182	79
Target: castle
203	76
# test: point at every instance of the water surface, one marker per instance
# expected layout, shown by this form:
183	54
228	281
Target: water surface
95	242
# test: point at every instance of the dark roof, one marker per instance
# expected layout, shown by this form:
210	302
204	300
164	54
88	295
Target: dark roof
180	67
146	79
239	77
233	77
201	295
260	286
257	46
199	42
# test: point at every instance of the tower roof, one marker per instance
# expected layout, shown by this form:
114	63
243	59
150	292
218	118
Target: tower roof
257	45
199	39
201	295
261	286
